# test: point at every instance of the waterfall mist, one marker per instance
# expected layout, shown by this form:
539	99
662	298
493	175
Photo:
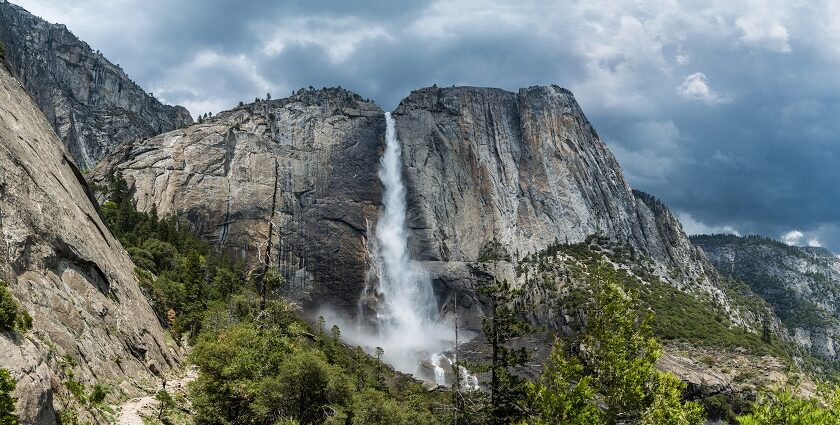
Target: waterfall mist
407	323
407	314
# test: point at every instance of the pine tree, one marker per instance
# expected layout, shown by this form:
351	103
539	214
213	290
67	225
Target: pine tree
614	359
335	332
507	390
7	402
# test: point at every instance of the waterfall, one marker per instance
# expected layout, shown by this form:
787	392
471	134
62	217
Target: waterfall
407	317
398	293
440	373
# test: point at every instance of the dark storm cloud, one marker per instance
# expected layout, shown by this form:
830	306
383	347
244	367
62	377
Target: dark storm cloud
725	111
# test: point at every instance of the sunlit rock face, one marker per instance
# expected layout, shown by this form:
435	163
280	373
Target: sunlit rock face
487	174
90	103
523	170
801	283
296	176
64	267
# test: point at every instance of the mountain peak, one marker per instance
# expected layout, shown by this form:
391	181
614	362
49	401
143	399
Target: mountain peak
90	102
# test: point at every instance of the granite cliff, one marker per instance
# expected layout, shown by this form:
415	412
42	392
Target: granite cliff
494	180
801	283
90	103
482	167
487	167
295	177
91	323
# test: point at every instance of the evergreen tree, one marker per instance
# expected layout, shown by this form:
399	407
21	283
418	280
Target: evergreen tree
507	389
612	361
165	404
7	402
766	336
784	405
563	395
12	316
335	332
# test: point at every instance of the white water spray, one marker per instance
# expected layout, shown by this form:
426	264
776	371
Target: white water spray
408	325
440	372
407	315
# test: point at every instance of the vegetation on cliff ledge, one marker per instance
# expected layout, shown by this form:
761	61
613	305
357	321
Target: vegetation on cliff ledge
12	316
7	402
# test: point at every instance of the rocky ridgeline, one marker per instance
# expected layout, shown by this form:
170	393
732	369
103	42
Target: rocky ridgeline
801	283
91	103
91	323
292	180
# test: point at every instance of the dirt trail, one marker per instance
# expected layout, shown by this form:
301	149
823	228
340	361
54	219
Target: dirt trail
131	409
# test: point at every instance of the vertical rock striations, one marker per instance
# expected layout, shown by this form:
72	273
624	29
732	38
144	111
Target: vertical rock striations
526	169
483	167
64	267
91	103
319	148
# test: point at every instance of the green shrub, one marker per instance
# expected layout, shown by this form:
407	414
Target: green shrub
378	408
12	316
76	388
7	402
785	405
98	393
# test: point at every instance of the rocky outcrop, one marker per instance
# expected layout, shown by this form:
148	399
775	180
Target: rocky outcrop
523	170
91	103
64	267
801	283
307	163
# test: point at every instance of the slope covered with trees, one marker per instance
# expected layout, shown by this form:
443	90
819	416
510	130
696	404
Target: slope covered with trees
260	362
802	284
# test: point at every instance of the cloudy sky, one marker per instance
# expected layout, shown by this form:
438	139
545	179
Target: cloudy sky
729	111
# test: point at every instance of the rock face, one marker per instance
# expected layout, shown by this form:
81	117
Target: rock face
482	167
801	283
487	166
91	103
526	169
296	176
65	268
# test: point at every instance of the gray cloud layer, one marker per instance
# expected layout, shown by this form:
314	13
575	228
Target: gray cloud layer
726	111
